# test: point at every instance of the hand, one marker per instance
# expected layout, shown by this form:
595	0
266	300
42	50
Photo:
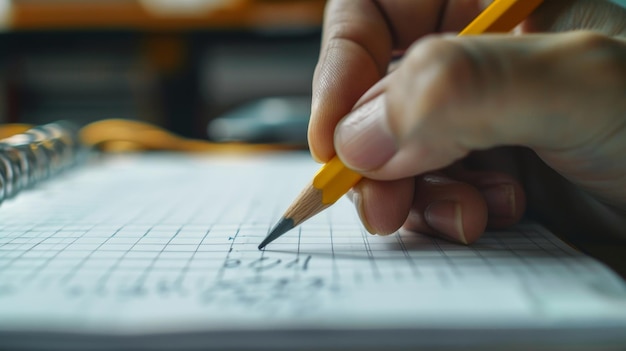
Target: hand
466	132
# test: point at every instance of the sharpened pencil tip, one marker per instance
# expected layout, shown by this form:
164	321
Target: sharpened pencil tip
282	227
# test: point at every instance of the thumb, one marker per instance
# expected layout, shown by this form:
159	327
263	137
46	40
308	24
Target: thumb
451	96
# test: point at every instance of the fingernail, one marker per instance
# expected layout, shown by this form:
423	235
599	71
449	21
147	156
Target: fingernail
363	139
445	217
500	200
357	199
309	137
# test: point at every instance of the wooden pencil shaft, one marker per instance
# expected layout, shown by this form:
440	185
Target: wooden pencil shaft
307	204
501	16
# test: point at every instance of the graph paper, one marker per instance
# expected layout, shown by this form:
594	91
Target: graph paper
141	246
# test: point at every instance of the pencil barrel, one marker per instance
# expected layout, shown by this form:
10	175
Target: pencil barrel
334	179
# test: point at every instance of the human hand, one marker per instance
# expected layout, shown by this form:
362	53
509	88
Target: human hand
434	136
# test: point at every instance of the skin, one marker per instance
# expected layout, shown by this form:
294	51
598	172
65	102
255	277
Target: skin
468	133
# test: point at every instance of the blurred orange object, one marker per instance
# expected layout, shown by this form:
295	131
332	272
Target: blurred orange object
162	14
119	135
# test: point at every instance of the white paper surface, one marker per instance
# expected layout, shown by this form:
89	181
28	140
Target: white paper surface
168	243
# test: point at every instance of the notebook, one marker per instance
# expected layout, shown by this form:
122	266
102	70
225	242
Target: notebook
159	251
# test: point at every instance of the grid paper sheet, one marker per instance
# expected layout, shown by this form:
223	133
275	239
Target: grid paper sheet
165	243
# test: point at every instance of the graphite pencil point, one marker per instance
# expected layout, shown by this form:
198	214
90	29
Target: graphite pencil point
282	227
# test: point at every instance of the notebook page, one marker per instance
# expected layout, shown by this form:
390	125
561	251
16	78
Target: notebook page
168	243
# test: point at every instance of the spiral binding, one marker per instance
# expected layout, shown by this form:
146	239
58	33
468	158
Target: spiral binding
37	154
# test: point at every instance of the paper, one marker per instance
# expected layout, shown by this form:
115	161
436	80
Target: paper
137	246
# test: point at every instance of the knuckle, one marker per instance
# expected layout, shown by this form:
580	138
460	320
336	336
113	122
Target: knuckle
594	42
447	58
341	35
344	35
447	70
343	29
340	27
588	40
604	56
440	76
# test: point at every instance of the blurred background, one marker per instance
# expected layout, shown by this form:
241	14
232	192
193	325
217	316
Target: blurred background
200	68
179	64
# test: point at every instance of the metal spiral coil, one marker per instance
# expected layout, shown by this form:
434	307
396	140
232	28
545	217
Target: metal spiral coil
35	155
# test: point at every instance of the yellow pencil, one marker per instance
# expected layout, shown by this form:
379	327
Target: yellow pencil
334	179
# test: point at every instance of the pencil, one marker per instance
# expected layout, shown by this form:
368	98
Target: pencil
334	179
